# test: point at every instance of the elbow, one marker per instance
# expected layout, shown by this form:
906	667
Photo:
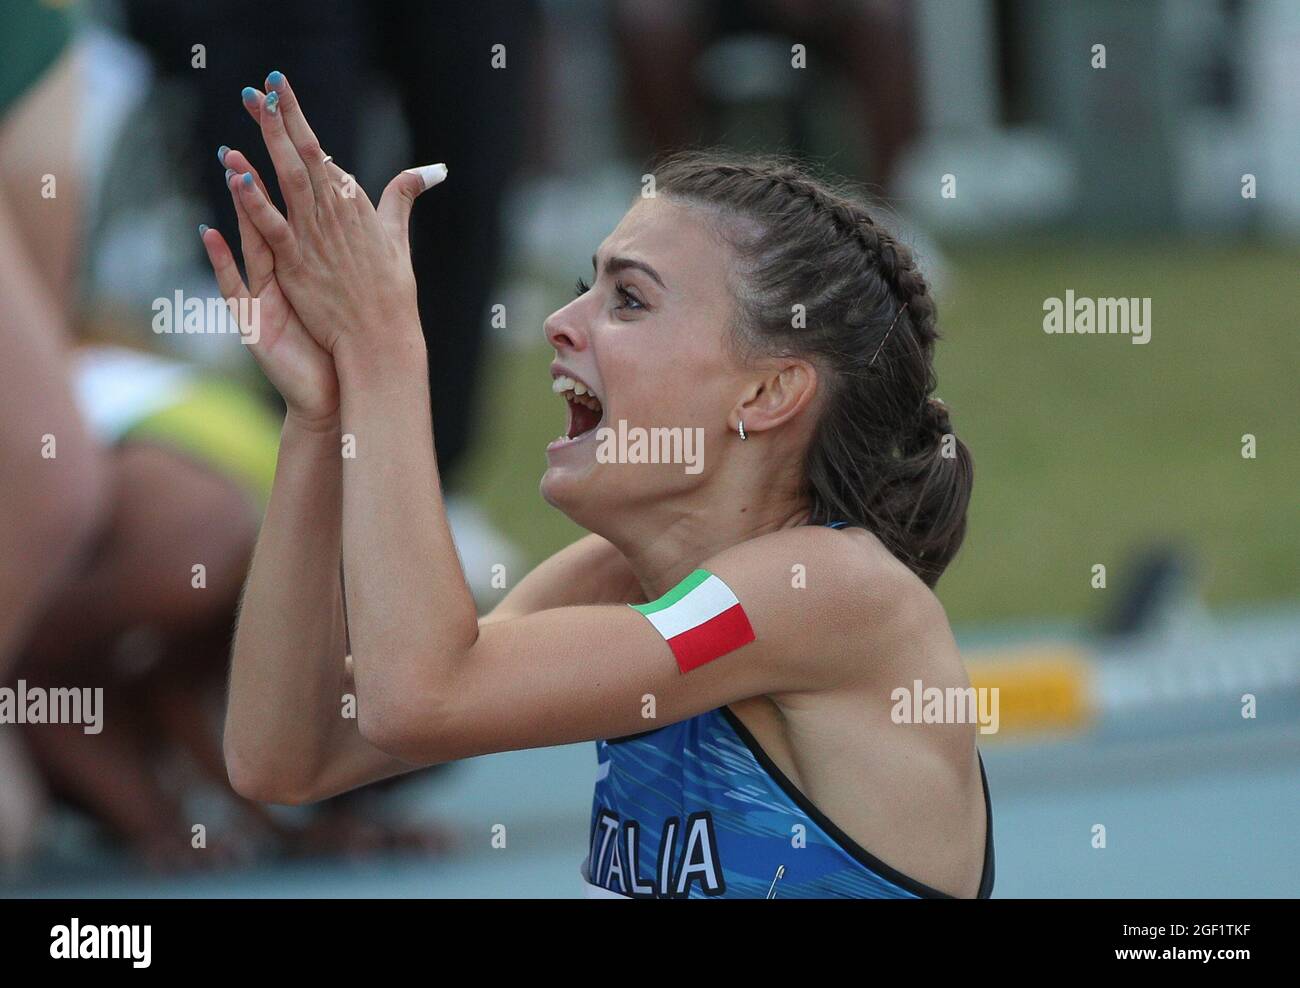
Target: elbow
248	781
261	784
407	731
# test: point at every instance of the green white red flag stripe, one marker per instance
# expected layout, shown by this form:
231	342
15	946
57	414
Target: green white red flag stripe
700	618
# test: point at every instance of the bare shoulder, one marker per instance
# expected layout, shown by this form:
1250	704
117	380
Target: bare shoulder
842	566
836	602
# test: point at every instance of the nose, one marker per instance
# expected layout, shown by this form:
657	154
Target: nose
563	328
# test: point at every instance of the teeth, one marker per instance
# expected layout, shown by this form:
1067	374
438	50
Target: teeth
563	384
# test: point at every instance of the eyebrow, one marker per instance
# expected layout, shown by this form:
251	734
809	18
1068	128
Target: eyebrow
616	264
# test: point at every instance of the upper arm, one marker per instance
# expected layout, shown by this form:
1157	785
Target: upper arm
578	673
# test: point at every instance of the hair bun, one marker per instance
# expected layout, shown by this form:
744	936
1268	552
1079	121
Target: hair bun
936	417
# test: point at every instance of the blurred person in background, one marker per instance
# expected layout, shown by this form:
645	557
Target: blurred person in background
191	458
661	43
461	74
123	472
54	473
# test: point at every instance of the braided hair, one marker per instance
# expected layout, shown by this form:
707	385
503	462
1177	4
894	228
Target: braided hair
883	454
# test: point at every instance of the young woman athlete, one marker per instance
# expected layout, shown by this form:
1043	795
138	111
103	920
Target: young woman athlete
782	592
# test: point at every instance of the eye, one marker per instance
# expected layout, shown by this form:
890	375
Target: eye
630	301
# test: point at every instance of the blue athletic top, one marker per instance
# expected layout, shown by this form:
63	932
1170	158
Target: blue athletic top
697	809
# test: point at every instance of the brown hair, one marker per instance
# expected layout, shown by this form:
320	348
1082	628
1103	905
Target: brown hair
878	457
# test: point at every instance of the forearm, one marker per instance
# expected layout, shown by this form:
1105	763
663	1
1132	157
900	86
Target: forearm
287	668
411	614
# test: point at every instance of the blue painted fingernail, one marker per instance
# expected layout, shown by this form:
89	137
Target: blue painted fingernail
250	94
275	79
248	180
222	152
203	228
229	172
272	102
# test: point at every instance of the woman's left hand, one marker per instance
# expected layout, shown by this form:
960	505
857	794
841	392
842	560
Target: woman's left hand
344	264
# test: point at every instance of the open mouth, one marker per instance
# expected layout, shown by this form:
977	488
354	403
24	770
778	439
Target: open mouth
585	410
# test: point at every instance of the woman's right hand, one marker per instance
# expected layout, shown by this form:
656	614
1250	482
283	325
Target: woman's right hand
301	370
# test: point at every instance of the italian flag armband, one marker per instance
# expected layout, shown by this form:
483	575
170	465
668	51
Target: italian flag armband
700	619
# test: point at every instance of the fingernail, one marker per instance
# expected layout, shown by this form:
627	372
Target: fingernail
203	228
276	79
249	94
248	180
222	152
430	175
272	102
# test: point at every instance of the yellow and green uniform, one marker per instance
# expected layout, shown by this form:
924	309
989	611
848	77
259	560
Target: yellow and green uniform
132	396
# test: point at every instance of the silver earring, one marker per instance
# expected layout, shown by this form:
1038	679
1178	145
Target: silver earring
740	428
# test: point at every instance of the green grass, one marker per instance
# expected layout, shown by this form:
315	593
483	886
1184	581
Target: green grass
1085	447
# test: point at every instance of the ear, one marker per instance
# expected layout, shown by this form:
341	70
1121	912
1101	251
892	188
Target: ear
776	397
